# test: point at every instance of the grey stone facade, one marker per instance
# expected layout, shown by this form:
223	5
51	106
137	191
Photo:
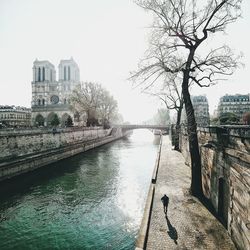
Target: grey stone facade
201	111
12	116
26	150
50	96
237	104
226	176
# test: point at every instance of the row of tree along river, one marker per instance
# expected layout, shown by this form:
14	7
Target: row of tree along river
94	200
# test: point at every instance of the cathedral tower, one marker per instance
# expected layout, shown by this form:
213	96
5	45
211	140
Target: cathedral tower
69	71
43	71
51	97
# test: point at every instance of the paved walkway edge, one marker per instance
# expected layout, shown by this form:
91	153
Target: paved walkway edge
141	240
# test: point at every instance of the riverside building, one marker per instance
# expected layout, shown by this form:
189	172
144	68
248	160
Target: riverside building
237	104
51	96
201	110
14	116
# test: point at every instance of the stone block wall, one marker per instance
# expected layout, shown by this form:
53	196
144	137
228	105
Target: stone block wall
225	157
24	151
14	145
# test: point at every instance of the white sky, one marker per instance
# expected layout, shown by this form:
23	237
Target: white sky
106	39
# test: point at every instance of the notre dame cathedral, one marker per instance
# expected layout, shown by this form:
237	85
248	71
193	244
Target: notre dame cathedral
49	96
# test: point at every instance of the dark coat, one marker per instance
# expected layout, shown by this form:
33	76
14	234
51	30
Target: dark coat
165	200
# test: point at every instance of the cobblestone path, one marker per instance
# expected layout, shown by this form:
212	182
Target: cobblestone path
188	225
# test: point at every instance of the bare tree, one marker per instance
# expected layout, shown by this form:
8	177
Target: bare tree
170	94
162	117
95	102
107	109
182	26
154	78
85	99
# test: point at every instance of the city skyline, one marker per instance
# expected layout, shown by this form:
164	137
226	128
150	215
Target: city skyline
107	40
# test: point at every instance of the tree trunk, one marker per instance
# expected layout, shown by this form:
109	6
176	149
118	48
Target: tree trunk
177	129
196	180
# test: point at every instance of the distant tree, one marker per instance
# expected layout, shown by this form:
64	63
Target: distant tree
69	121
107	110
214	121
39	121
85	99
92	100
106	124
54	120
118	119
76	116
246	118
182	26
229	118
162	117
92	121
170	94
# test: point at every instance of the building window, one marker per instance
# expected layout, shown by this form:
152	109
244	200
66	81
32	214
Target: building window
39	75
43	102
68	73
39	102
65	101
64	72
43	74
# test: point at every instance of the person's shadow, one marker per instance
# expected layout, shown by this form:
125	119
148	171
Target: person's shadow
172	231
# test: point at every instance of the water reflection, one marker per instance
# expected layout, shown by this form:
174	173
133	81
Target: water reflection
91	201
157	139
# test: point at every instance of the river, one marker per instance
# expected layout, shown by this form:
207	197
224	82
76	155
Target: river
94	200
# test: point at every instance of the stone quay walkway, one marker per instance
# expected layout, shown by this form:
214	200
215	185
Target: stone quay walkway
188	224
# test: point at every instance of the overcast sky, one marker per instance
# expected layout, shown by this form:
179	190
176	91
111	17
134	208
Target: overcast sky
106	39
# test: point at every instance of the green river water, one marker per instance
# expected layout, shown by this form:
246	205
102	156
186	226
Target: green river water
94	200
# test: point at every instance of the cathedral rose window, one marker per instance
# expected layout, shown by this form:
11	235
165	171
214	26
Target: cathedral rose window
54	99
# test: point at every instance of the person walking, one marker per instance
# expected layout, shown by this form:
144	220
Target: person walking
165	201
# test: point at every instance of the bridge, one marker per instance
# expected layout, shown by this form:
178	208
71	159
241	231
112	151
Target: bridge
142	126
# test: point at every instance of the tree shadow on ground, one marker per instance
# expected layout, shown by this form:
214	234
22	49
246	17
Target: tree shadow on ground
172	231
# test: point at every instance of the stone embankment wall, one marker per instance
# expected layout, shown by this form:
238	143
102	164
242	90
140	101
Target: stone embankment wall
23	151
225	157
